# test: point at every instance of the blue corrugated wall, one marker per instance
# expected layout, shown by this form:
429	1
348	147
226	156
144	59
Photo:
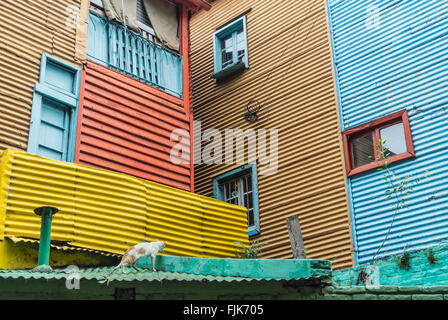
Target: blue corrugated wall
391	55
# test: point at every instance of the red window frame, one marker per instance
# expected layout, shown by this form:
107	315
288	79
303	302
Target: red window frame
374	128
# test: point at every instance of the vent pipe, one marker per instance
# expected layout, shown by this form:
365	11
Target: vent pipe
43	263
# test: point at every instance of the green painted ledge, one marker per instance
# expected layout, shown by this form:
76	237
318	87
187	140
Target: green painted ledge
388	273
277	269
198	269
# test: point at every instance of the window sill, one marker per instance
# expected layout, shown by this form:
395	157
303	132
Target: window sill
253	232
228	71
379	164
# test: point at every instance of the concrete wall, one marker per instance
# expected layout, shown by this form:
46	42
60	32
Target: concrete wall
385	293
420	272
192	290
154	290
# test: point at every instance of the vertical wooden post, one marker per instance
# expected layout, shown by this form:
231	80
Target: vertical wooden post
79	122
295	236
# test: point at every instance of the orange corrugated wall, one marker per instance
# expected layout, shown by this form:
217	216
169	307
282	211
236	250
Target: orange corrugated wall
125	125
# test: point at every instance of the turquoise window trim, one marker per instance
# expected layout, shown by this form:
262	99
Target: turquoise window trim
230	29
248	168
70	99
56	95
43	70
143	60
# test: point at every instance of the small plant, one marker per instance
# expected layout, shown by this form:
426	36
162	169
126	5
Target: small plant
398	189
403	260
252	251
432	259
305	251
362	277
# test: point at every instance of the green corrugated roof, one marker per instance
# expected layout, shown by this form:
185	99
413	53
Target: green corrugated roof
130	275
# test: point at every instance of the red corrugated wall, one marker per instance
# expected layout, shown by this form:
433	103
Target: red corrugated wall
125	125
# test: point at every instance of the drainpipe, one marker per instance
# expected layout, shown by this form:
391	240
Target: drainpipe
46	213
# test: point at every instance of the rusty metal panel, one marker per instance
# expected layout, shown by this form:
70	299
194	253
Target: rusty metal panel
291	75
125	126
109	211
28	29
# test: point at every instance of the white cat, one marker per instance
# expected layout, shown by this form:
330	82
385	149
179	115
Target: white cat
138	251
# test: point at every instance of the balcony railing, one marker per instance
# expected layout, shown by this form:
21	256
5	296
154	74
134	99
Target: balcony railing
112	45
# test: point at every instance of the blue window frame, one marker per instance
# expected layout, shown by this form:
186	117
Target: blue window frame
230	49
54	110
239	187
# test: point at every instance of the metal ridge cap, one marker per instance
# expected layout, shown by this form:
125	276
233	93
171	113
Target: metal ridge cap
90	274
65	247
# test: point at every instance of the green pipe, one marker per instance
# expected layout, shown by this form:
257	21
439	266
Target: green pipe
43	263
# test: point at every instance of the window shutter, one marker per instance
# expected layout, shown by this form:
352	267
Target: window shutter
53	130
54	111
142	16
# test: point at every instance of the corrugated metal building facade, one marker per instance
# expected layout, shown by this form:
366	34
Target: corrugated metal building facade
109	211
122	123
291	76
113	105
29	28
131	102
391	56
126	126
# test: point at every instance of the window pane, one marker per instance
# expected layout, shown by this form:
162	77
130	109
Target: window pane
363	152
239	191
232	188
245	184
250	218
227	51
394	139
240	40
251	202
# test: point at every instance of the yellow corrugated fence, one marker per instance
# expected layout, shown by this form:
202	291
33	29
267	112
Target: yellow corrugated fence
109	211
